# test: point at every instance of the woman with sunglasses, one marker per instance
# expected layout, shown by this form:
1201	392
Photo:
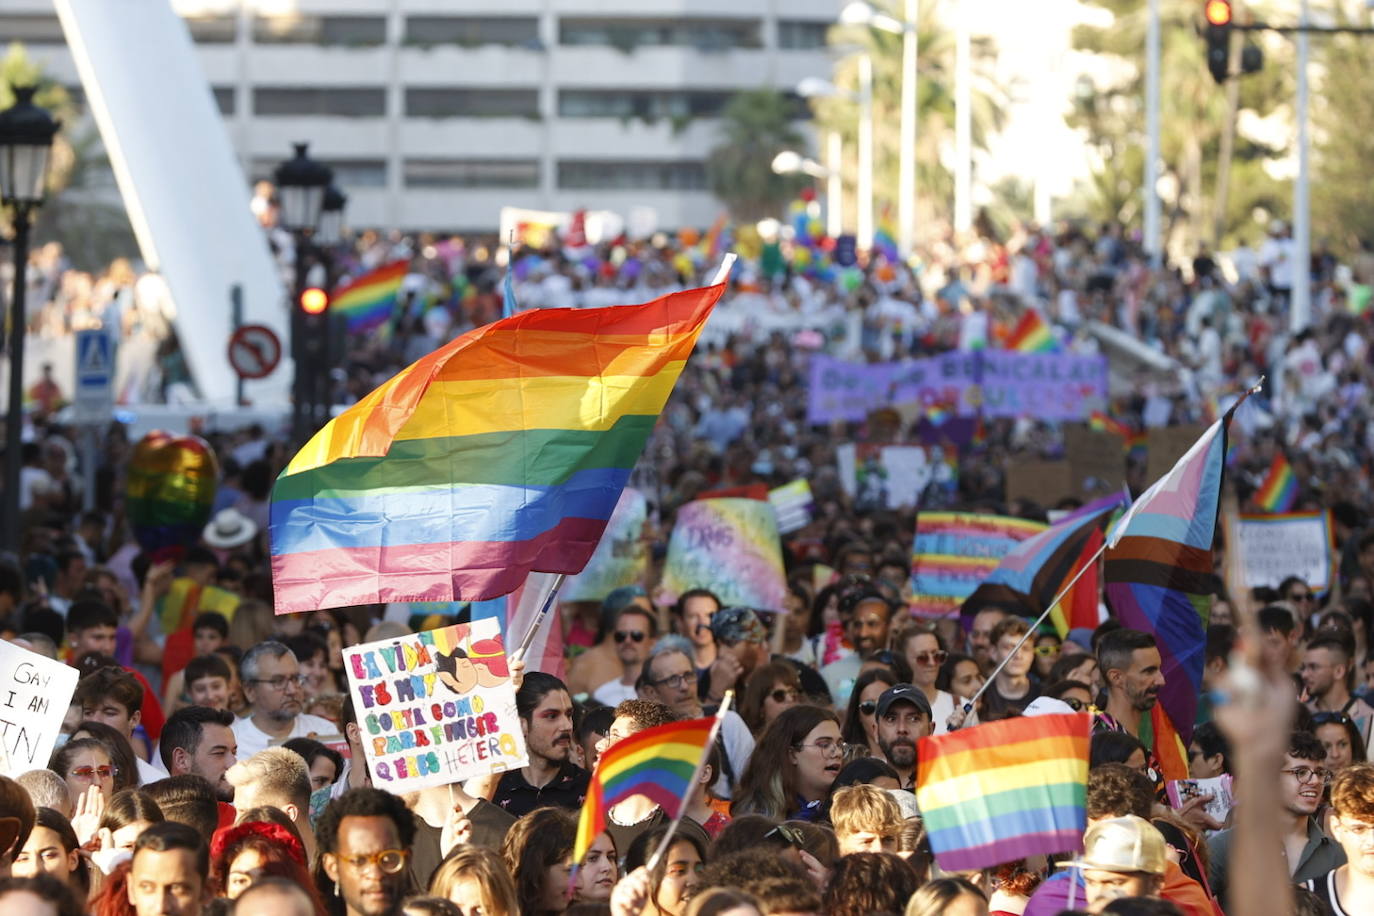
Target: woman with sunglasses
1047	650
84	763
793	765
925	652
860	719
768	691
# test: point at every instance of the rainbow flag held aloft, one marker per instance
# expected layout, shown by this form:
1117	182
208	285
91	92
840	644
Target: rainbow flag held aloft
1280	488
1103	423
1032	335
999	792
659	763
367	302
1159	576
501	453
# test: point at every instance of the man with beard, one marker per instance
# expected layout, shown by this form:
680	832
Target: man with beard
365	844
274	686
867	615
200	741
1310	853
904	717
551	778
1130	665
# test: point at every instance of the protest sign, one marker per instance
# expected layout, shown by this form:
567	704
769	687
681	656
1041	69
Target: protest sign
793	504
1275	547
730	546
35	693
620	557
436	707
879	476
954	552
1047	386
1097	461
1166	445
1041	482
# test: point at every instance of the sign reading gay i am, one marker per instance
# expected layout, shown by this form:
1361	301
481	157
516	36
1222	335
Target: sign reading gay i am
436	707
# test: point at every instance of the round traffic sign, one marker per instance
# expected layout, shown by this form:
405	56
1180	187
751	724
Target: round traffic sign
254	351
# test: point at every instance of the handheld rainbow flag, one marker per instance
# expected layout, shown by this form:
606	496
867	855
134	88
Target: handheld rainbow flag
1032	335
368	301
1104	423
1160	580
660	763
998	792
1280	487
500	453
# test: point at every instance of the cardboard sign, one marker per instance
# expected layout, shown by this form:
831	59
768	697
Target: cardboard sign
621	556
436	707
1096	460
35	692
1044	483
730	546
954	552
1275	547
1168	444
793	504
883	476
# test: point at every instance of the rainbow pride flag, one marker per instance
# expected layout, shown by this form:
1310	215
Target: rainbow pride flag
1032	335
659	763
1280	487
1005	790
1159	576
953	552
367	302
501	453
1103	423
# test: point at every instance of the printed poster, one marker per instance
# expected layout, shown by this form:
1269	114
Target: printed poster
730	546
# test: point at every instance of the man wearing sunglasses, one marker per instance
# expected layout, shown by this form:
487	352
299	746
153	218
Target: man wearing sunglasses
634	632
365	838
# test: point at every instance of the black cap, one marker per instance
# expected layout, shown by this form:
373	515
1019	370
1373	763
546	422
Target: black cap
905	693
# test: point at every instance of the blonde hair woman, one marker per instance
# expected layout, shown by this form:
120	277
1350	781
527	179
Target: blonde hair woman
475	876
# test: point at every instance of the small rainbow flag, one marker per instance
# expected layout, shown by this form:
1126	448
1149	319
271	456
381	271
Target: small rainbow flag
1005	790
1280	487
659	763
1032	335
368	301
1102	423
714	240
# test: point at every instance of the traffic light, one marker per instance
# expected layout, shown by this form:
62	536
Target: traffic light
1218	26
314	301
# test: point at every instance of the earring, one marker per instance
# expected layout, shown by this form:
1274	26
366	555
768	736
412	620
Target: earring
336	889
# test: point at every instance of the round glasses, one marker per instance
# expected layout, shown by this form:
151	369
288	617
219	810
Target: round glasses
388	861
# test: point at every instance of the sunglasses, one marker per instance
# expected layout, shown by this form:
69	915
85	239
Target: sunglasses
636	635
792	835
1075	704
782	695
1326	718
104	772
931	657
868	707
1046	650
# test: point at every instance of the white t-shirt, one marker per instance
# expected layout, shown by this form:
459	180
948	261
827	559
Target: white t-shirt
252	739
613	693
149	772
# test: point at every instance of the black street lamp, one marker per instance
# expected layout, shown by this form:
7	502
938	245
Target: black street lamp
26	135
328	237
302	184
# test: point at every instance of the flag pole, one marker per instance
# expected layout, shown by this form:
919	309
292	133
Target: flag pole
539	618
667	840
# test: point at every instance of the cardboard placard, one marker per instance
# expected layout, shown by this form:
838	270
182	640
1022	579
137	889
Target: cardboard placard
1044	483
730	546
1097	460
1275	547
35	693
1166	445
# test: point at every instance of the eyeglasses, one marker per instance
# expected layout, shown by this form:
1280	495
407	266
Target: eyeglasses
1075	704
792	835
783	695
825	746
1307	597
868	707
636	635
1326	718
388	861
89	773
676	681
931	657
281	681
1046	650
1308	774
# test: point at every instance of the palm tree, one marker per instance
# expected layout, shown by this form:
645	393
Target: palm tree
755	126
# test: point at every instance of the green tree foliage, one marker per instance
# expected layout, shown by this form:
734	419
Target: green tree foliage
755	127
1342	157
1193	113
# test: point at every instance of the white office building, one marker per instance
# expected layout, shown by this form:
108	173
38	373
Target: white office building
436	113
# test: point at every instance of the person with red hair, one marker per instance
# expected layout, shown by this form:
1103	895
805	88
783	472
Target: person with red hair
241	855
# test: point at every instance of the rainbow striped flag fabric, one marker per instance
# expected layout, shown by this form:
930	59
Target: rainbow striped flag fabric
953	552
1032	335
501	453
659	763
1159	576
1280	488
999	792
368	301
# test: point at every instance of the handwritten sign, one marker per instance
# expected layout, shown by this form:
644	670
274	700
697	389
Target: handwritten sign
730	546
436	707
1275	547
35	692
621	556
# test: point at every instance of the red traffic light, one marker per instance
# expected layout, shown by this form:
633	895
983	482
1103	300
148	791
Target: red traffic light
1217	12
314	301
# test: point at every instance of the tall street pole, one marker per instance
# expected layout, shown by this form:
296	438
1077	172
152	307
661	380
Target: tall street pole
963	121
1153	245
1301	314
14	415
834	185
906	179
865	233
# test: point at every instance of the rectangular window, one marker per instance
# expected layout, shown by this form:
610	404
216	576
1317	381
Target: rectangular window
348	173
610	175
320	30
335	101
472	31
224	98
802	34
646	105
472	103
472	173
208	30
35	29
628	34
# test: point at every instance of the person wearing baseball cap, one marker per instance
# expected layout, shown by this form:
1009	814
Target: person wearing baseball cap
904	718
1122	857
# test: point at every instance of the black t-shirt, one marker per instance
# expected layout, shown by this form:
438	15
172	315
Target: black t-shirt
567	789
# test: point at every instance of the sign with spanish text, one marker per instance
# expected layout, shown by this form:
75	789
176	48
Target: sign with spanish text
35	692
1275	547
436	707
730	546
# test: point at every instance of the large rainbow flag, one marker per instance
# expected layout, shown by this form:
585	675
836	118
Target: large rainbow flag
1032	335
953	552
999	792
1159	576
660	763
500	453
368	301
1280	487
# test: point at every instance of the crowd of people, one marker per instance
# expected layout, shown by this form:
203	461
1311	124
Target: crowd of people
212	760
